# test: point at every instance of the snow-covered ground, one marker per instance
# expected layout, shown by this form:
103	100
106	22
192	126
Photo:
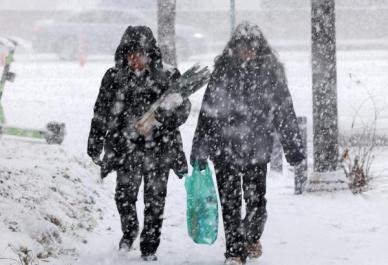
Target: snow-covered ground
53	192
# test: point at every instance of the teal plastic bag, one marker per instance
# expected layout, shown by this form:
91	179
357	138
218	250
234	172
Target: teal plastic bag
202	206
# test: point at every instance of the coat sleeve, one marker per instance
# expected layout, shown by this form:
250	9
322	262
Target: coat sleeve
205	129
102	112
285	120
172	119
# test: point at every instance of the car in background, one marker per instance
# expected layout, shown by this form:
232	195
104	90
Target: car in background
100	31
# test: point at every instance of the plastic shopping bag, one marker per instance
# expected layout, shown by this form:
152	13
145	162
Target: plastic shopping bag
202	206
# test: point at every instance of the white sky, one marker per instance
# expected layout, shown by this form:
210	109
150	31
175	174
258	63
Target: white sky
181	4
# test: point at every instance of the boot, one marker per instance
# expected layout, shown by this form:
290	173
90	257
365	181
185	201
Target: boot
149	257
125	243
233	261
254	250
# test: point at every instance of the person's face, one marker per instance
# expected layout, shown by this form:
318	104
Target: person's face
244	52
137	61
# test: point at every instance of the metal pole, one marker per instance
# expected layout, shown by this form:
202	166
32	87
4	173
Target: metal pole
166	30
232	16
301	169
324	79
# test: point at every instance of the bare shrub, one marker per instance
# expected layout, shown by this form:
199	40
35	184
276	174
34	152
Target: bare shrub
359	147
24	256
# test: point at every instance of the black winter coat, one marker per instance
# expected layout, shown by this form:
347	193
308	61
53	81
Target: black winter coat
125	96
243	107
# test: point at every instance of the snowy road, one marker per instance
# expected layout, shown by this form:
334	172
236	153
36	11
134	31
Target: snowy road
317	229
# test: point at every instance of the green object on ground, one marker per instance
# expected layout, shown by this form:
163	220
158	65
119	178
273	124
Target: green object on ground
55	131
31	133
202	206
2	116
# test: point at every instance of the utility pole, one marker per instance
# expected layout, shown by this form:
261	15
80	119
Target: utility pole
166	30
324	80
232	16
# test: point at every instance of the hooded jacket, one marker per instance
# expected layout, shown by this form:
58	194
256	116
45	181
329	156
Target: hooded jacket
125	96
245	104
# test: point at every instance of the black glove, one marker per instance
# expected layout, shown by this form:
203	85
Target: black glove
96	160
296	158
180	176
201	163
104	168
180	170
296	163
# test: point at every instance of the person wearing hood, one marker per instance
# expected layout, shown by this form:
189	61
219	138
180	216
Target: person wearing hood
246	102
139	150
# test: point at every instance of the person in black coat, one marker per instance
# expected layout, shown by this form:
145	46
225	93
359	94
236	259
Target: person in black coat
139	150
246	102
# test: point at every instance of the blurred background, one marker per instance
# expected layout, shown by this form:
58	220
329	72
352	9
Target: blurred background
60	27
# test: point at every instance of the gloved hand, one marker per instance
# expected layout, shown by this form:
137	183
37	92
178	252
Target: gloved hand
104	169
296	163
180	176
171	101
295	158
97	160
201	163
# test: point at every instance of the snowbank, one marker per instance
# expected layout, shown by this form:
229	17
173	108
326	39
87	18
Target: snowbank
49	202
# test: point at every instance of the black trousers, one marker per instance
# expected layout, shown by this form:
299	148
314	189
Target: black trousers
155	190
240	232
